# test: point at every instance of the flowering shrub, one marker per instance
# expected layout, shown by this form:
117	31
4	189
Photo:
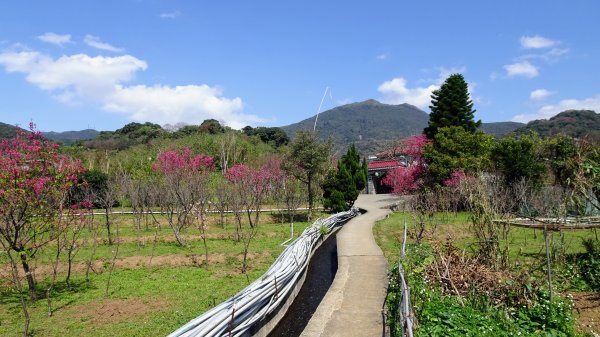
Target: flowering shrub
407	179
179	161
34	179
455	179
413	146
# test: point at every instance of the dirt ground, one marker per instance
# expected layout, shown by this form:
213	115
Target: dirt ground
587	309
117	310
171	260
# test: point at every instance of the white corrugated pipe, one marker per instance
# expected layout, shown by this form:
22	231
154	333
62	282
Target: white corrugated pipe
239	313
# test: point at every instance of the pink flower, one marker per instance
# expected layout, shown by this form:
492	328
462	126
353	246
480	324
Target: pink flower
182	160
456	178
413	146
87	203
409	178
237	173
38	184
404	179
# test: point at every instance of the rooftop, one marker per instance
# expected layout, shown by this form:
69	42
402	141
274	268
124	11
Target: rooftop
382	164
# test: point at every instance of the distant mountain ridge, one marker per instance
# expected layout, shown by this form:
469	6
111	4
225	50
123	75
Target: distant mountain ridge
66	137
575	123
7	130
69	137
372	125
369	124
375	126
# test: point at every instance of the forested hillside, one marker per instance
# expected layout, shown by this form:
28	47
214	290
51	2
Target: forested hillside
372	125
575	123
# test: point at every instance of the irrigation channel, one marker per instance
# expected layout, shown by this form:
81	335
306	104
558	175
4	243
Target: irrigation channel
253	308
319	276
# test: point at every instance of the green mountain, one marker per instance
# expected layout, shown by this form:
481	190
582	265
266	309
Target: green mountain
66	137
500	129
373	126
575	123
69	137
7	130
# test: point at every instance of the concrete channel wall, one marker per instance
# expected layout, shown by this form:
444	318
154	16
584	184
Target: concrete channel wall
321	255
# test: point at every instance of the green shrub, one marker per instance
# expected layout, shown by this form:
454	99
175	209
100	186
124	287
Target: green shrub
551	316
589	263
475	315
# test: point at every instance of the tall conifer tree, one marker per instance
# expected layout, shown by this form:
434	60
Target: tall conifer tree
341	188
451	106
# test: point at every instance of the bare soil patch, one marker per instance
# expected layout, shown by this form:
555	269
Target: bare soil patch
111	311
587	308
98	266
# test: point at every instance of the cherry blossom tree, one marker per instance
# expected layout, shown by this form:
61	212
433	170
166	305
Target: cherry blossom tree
185	184
250	187
35	187
405	179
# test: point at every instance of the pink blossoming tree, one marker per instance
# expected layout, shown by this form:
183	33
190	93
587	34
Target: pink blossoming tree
405	179
250	187
35	187
185	186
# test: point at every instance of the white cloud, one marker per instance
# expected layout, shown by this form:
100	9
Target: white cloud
550	56
169	15
395	91
190	104
383	56
536	42
101	80
442	74
540	94
55	39
73	77
94	42
523	68
547	111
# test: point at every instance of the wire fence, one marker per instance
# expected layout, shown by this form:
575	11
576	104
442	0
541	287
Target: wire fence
237	315
406	315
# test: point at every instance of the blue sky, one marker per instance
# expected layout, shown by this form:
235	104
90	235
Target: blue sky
69	65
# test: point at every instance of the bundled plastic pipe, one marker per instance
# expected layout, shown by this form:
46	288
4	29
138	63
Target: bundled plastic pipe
238	314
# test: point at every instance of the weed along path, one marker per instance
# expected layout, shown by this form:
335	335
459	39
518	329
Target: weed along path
353	306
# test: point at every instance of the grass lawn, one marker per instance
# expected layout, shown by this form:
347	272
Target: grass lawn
145	298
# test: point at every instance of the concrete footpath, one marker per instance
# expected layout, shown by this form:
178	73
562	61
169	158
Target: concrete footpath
354	304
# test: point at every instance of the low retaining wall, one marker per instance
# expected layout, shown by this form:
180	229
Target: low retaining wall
293	315
257	307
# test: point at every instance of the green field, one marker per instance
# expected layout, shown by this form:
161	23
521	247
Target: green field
157	285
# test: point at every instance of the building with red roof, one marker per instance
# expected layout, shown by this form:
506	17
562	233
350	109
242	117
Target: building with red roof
384	164
377	169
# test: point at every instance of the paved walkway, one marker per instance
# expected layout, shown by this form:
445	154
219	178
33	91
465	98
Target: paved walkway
353	306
